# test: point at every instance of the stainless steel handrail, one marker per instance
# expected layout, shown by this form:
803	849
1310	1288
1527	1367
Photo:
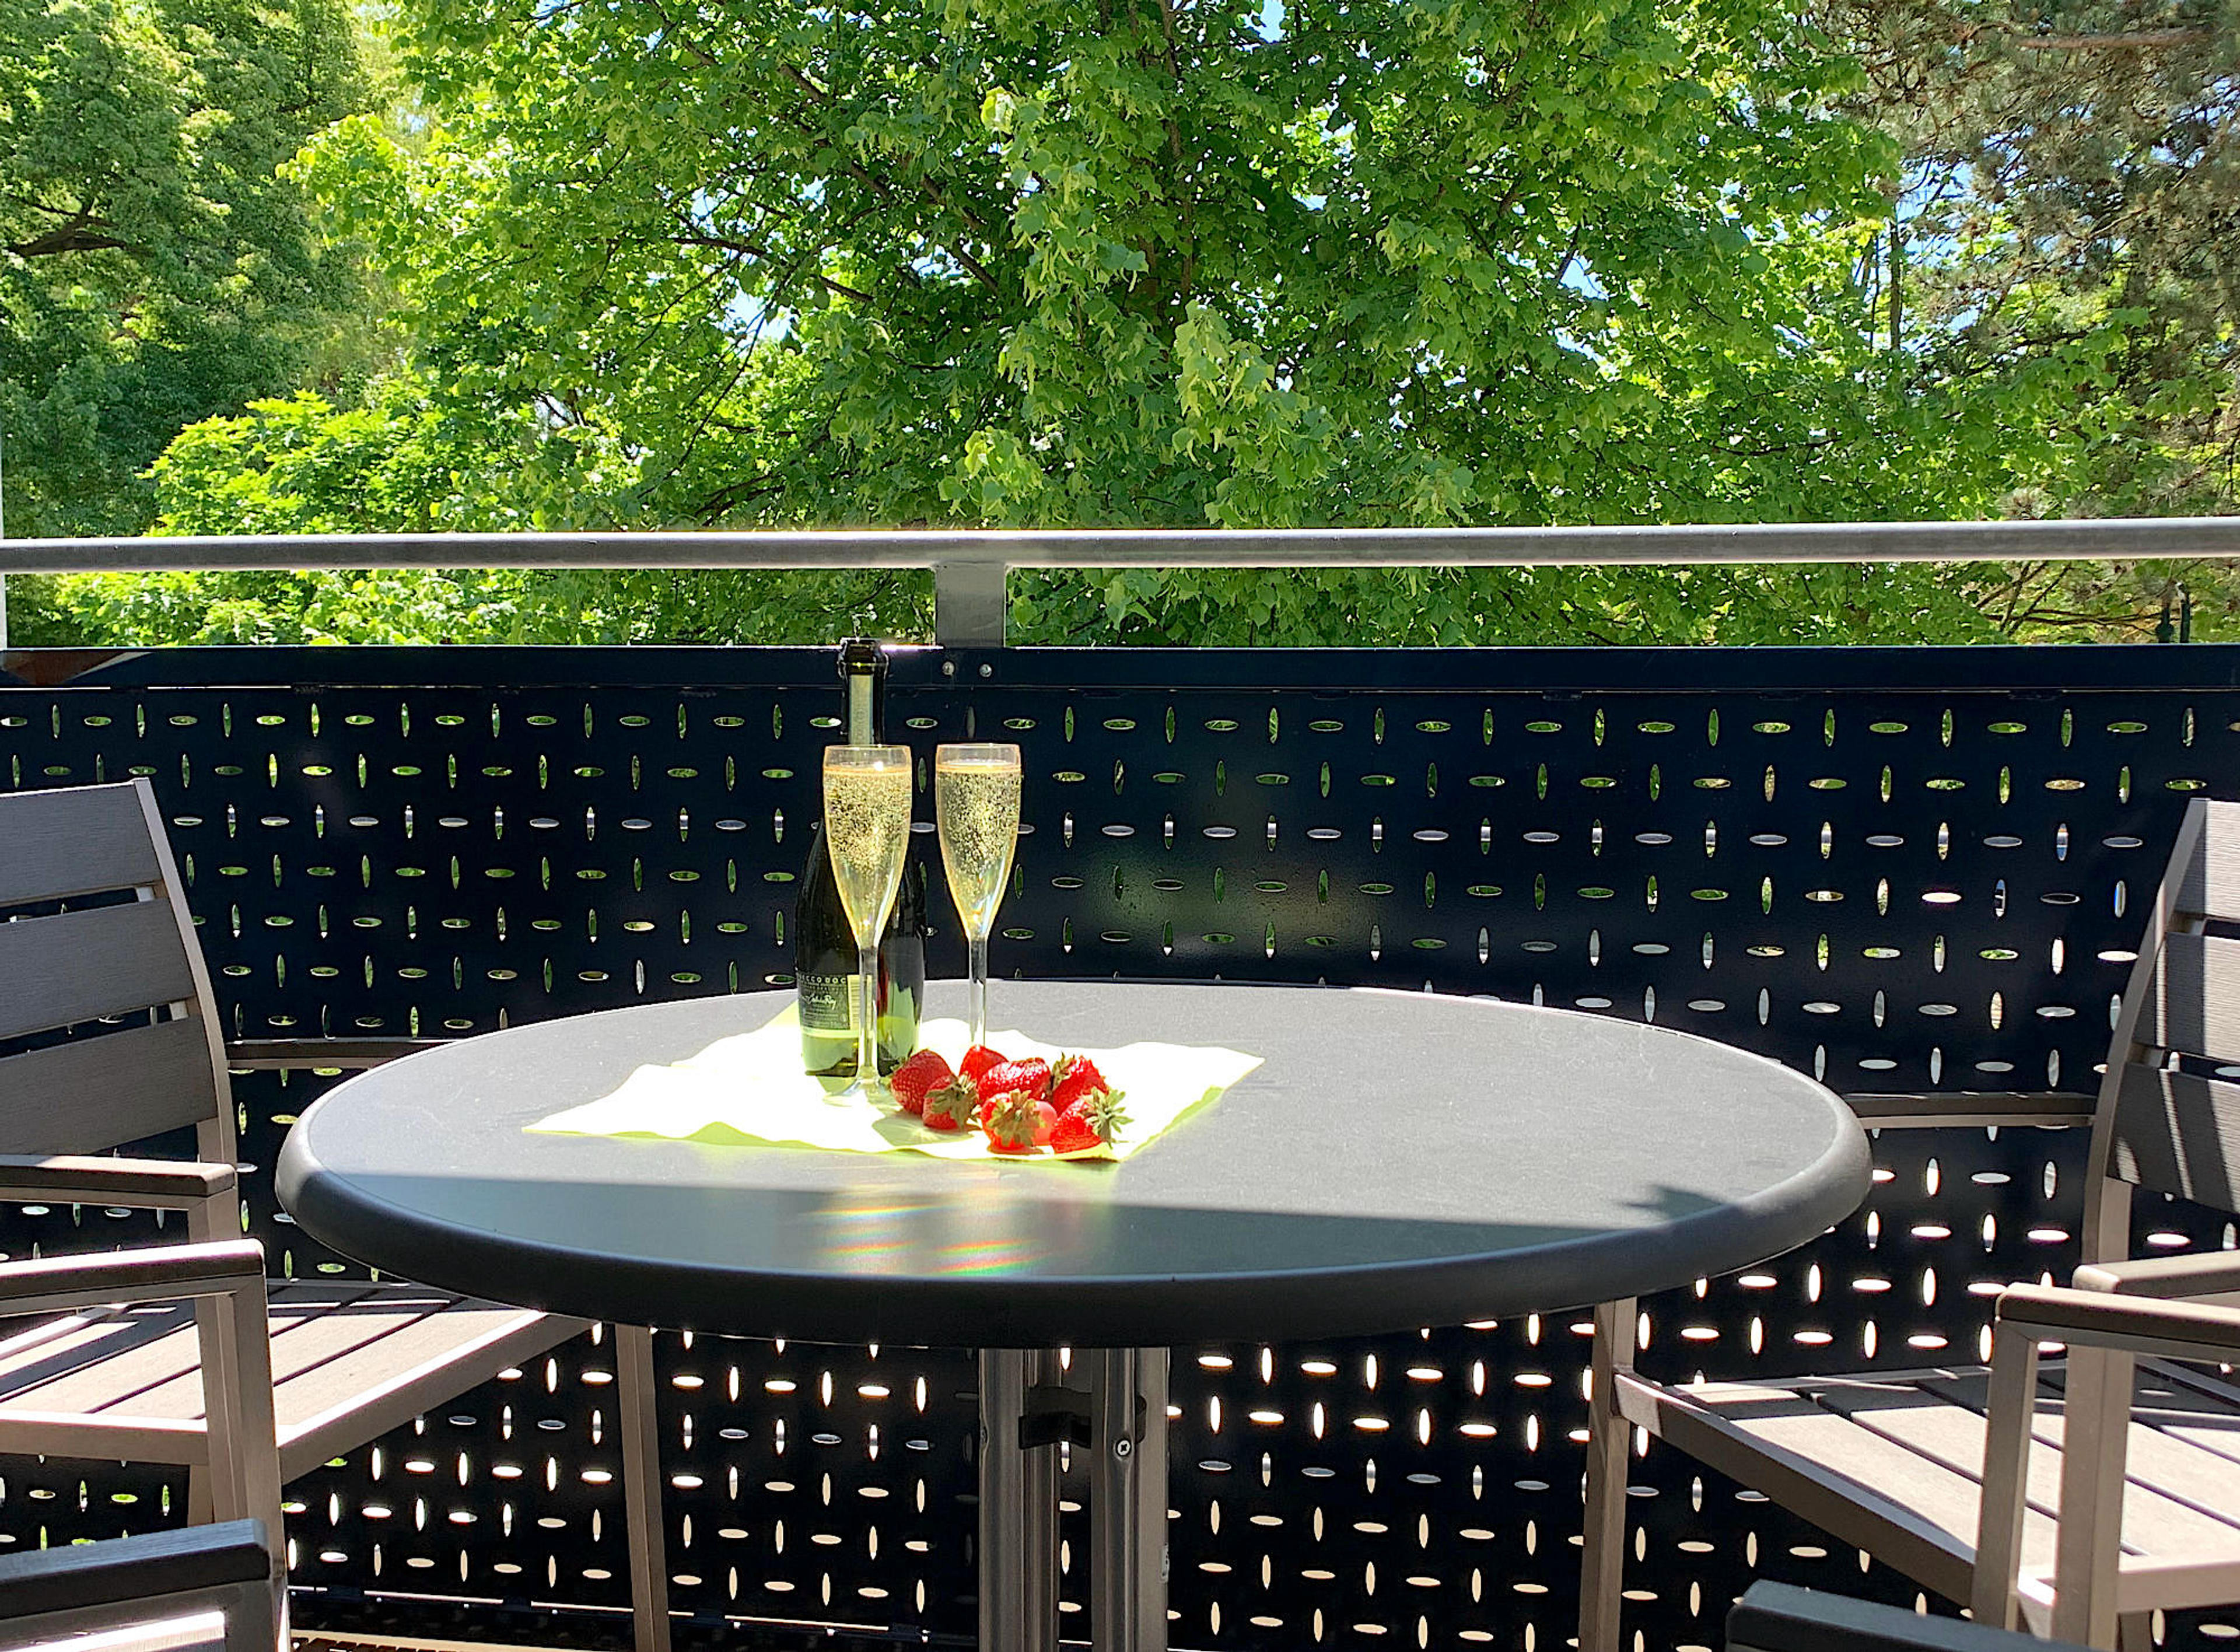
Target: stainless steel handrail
970	567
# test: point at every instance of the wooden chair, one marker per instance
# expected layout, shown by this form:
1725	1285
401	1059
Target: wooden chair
1981	1483
154	1592
146	1054
1779	1617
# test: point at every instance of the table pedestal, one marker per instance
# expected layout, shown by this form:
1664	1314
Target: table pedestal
1027	1410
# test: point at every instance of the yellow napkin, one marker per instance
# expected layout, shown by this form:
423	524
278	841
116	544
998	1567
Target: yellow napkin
749	1089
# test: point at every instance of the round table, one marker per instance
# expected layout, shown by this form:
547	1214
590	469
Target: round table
1400	1160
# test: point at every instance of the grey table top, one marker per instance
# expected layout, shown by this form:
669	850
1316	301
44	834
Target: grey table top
1400	1160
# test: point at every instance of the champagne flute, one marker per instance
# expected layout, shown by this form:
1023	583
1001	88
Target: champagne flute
975	799
867	822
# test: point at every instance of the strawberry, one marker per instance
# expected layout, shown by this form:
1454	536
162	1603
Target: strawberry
1045	1123
1011	1121
1032	1075
1029	1078
1075	1077
1099	1112
977	1060
911	1082
949	1105
1071	1134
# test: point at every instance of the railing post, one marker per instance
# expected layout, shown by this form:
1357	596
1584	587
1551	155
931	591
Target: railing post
972	598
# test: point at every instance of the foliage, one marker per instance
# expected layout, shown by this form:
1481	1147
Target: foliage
2070	188
1015	264
2069	208
299	466
153	269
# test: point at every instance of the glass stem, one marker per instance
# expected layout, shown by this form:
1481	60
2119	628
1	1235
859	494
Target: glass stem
978	1000
867	1018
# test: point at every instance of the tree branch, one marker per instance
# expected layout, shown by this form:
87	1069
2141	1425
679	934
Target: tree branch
2123	40
75	237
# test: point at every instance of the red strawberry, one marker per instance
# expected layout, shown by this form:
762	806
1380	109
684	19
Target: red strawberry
1075	1077
1099	1111
1071	1134
1045	1123
977	1060
950	1105
923	1072
1032	1075
1011	1121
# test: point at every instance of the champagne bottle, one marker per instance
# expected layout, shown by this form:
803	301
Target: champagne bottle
825	959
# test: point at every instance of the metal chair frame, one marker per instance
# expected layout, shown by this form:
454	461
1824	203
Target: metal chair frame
2159	1121
145	1053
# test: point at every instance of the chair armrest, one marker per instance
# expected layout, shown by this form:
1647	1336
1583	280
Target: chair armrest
284	1054
154	1184
78	1578
2138	1325
1935	1110
167	1273
1779	1617
2204	1273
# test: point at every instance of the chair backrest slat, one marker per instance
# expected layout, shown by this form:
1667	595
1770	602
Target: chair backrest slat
102	1085
102	1091
2178	1133
2210	885
81	966
2193	1003
63	843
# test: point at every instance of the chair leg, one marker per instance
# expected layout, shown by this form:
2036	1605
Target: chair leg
641	1431
2135	1632
200	1508
2006	1472
1609	1437
2097	1410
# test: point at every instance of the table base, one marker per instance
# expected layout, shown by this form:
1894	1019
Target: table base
1027	1411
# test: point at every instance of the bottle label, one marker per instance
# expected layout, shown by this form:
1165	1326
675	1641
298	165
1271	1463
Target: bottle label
827	1003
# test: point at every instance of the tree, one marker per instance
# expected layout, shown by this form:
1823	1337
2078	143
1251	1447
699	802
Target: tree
298	465
154	269
2069	212
1015	263
2071	193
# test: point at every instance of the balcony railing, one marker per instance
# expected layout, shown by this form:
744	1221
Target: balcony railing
1912	872
970	569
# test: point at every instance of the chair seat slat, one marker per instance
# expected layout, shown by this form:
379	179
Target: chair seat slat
1883	1470
1953	1434
75	840
2205	1421
150	1367
81	966
2162	1464
67	1344
304	1337
330	1350
383	1366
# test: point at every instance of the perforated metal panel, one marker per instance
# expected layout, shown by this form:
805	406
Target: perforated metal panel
1899	869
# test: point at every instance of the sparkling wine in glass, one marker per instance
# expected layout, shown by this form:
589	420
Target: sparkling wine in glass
975	799
867	822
